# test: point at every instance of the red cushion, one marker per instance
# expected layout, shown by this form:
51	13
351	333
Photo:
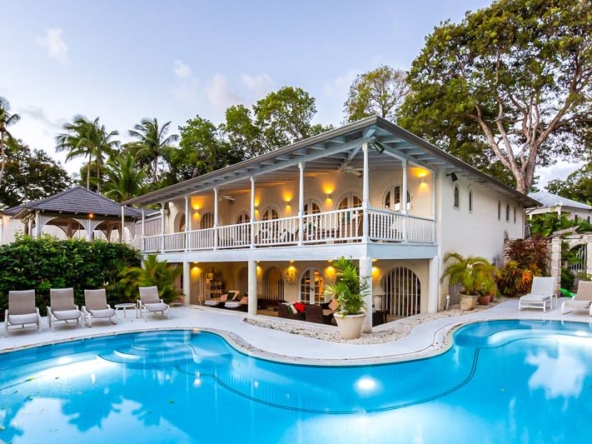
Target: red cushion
299	306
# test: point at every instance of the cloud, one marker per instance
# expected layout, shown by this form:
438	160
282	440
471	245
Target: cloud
560	171
39	114
339	87
182	70
55	45
259	85
220	95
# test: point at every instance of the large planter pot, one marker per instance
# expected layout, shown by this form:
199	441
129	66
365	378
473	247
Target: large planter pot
467	302
485	300
350	326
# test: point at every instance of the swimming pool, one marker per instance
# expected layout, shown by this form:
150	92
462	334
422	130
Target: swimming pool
501	382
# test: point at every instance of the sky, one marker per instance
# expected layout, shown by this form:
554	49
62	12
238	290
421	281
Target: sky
125	60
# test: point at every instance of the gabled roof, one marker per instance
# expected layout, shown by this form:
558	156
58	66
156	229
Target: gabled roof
549	200
77	200
334	151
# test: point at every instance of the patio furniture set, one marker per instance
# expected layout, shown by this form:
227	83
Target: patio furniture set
22	310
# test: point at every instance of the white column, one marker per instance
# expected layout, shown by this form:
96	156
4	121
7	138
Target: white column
434	208
404	200
252	212
301	204
162	227
186	283
588	239
122	224
187	222
215	218
366	276
434	283
143	242
38	230
252	275
365	195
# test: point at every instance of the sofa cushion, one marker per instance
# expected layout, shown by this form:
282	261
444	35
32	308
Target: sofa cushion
333	305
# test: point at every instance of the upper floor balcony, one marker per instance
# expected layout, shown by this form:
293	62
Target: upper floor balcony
332	227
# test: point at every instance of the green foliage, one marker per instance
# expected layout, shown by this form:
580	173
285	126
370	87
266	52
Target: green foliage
47	262
348	289
30	175
577	186
153	272
379	92
86	138
6	119
547	223
124	179
511	82
527	258
475	274
567	279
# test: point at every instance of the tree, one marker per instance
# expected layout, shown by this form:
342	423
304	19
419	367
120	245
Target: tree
151	141
86	138
285	117
577	186
6	119
30	175
202	149
514	77
379	92
243	133
124	179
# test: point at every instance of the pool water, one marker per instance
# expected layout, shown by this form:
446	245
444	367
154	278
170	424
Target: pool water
501	382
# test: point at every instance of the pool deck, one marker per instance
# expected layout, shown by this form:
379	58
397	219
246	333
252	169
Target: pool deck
426	339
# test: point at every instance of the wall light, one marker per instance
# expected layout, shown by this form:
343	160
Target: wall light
329	196
453	176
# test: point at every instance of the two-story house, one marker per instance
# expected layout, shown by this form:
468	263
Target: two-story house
270	226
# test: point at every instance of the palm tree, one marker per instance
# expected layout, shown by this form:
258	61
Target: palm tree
85	138
6	119
125	180
152	141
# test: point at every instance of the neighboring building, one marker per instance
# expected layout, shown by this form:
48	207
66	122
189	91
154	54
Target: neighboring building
270	226
76	212
552	203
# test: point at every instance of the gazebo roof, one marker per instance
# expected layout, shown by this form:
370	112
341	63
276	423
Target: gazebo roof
75	201
552	201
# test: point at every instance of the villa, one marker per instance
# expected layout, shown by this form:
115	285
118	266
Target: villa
270	226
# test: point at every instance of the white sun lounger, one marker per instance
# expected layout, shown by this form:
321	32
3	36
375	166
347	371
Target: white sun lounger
96	307
62	307
21	310
581	301
542	294
151	302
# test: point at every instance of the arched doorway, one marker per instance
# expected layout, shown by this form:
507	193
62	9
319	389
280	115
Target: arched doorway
312	286
273	284
403	292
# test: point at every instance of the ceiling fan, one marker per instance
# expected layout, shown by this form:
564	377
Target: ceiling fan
230	198
355	171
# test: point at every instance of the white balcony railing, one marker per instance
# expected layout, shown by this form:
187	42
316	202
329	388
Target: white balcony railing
340	226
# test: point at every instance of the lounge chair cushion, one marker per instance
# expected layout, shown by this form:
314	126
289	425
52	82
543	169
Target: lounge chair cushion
30	318
104	313
578	304
333	305
63	315
158	306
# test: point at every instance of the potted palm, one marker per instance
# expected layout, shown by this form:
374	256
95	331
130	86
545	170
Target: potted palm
475	274
349	291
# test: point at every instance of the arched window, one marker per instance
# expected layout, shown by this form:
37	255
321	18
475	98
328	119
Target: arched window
243	234
392	199
499	210
273	284
350	200
269	214
470	201
311	207
456	197
207	221
403	292
514	214
312	286
507	212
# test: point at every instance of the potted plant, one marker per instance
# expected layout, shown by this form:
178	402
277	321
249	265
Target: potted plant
349	291
475	274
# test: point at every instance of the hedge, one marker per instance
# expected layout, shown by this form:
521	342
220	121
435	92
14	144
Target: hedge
48	262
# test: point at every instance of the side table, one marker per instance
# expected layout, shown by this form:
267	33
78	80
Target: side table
125	306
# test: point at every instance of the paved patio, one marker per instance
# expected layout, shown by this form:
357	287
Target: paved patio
425	339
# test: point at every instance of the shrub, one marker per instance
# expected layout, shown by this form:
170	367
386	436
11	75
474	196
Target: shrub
153	272
48	262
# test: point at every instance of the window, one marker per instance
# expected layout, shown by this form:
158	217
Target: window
456	197
312	287
514	214
499	210
507	212
392	199
311	207
350	201
207	221
470	201
270	214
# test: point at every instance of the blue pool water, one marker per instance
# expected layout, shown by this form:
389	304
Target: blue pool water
501	382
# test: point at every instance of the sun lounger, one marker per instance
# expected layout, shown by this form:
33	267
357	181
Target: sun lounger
62	308
581	301
542	294
21	310
151	302
96	307
241	304
216	302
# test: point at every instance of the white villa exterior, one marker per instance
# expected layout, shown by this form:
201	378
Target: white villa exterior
270	226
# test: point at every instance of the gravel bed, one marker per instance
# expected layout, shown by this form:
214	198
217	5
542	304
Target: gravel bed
384	333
